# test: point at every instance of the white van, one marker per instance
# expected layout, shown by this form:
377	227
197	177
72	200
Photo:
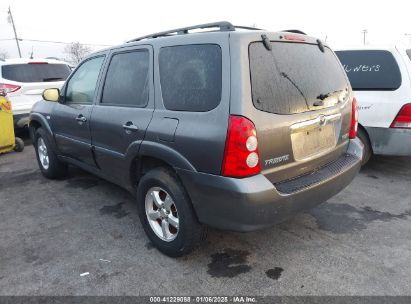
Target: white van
381	80
24	81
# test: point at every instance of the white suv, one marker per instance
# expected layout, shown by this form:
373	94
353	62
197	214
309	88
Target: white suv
381	80
24	81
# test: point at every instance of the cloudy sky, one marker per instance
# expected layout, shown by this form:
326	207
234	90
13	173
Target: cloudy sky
102	23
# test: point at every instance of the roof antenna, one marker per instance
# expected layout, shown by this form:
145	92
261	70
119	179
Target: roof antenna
32	51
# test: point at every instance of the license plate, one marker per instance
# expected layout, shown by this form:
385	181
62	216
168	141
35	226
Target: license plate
308	143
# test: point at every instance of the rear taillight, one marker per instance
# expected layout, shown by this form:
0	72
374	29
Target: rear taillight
354	120
403	119
9	88
241	156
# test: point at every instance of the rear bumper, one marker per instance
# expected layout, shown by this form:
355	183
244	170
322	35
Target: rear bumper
21	120
386	141
253	203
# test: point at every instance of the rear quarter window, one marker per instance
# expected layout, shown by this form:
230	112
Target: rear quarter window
371	70
38	72
190	77
409	54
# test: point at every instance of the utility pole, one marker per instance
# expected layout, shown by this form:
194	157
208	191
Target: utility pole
364	32
15	32
409	35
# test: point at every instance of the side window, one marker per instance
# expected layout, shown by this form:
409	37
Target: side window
371	70
81	86
190	77
127	80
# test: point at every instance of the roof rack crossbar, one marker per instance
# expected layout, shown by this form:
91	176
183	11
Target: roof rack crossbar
223	26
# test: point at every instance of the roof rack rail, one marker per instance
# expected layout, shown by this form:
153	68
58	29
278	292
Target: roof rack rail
223	26
247	28
295	32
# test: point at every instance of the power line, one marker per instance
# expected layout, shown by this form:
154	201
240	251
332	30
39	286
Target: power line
52	41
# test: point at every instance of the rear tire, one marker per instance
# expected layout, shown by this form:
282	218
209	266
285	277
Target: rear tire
158	189
363	136
48	162
19	145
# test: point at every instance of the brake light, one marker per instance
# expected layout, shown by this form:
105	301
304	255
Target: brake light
294	37
38	62
9	88
241	156
403	119
354	119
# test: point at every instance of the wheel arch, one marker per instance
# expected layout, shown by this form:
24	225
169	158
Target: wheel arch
39	121
151	155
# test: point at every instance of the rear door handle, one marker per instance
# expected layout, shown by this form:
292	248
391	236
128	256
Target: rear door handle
81	118
129	126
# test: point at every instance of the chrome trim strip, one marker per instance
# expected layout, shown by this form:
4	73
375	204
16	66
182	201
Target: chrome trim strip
320	121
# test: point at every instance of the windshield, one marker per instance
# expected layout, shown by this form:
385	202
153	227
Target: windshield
35	72
292	77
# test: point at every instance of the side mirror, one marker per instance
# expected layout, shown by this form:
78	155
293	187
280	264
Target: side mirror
51	95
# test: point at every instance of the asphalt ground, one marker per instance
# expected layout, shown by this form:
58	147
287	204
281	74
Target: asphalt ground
51	232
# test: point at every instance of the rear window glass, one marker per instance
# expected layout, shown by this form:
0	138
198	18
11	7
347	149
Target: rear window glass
372	70
291	77
190	77
39	72
127	80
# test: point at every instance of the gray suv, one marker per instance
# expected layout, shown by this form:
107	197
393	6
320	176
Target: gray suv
229	127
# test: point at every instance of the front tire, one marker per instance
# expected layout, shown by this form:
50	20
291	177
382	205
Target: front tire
167	214
48	162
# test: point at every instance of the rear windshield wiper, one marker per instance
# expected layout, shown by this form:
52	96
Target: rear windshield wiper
269	47
52	79
296	86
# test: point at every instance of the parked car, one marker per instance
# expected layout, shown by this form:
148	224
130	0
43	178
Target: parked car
24	80
380	78
227	128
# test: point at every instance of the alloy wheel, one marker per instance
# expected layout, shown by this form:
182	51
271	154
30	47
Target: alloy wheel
162	214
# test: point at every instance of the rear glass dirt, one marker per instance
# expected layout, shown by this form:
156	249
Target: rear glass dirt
36	72
371	69
292	76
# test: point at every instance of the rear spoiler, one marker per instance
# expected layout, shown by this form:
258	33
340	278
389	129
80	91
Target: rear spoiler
295	32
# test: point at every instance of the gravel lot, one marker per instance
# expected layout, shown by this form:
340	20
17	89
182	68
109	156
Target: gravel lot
358	243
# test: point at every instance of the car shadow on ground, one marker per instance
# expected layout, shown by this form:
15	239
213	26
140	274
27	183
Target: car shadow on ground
337	216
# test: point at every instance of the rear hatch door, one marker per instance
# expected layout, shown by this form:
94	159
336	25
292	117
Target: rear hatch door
304	100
